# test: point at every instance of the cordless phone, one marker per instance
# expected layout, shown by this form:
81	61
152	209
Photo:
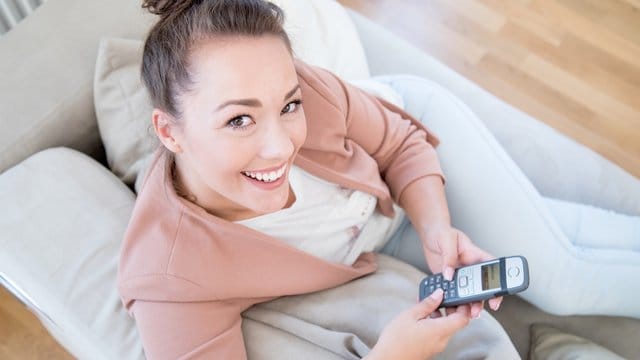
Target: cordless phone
482	281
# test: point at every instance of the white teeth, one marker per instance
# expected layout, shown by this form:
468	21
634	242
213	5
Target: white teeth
267	176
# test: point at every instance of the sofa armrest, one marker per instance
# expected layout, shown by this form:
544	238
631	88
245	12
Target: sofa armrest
60	244
47	68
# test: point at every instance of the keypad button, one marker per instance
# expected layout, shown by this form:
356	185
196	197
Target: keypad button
432	288
445	285
438	279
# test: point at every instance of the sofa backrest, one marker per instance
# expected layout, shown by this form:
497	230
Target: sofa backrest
47	66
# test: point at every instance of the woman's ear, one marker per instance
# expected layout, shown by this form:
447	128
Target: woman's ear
166	130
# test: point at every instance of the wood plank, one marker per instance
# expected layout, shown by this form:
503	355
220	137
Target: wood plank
22	336
477	12
624	20
591	32
552	107
596	75
633	3
576	89
517	13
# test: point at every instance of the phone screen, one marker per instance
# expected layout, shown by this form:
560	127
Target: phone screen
490	276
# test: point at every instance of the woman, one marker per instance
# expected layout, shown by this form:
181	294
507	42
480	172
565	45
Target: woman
257	146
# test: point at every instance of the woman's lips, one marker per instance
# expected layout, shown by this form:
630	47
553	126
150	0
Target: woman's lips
267	175
267	180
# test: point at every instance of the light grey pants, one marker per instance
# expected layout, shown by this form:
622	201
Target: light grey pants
493	202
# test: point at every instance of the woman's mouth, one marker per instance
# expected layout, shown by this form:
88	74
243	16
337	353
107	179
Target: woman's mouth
266	176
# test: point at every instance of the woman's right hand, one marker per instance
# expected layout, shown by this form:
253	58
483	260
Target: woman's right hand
415	334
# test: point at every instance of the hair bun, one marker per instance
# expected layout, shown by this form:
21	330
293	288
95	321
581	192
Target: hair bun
166	7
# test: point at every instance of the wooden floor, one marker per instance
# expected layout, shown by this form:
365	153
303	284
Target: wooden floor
574	64
22	336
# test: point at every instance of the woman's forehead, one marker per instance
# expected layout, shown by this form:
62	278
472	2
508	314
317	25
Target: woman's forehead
234	64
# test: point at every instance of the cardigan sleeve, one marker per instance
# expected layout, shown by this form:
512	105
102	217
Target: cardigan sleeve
190	330
403	148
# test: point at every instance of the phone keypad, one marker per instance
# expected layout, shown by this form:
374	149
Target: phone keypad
439	282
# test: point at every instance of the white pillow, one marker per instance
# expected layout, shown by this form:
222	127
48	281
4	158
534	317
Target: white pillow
321	32
123	108
549	343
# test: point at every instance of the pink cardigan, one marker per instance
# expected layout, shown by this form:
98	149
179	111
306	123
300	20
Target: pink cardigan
186	275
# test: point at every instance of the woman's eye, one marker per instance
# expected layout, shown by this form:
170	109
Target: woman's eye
239	122
292	106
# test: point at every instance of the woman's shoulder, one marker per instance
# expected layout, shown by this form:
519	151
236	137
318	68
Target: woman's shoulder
150	263
320	86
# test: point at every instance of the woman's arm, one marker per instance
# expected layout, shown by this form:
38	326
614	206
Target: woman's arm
404	150
186	330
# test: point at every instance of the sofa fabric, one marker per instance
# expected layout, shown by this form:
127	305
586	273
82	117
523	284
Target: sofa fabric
47	82
60	246
549	343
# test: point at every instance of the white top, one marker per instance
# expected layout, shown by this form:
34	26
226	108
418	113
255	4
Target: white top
328	221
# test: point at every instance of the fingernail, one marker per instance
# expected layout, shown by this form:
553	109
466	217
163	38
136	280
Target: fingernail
448	273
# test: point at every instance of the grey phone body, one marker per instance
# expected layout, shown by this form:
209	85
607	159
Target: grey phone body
482	281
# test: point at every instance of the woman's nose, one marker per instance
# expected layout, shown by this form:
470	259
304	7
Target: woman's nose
276	143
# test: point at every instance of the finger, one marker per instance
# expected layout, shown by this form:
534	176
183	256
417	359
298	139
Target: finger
448	325
476	308
450	310
494	303
464	310
449	250
427	306
436	314
470	253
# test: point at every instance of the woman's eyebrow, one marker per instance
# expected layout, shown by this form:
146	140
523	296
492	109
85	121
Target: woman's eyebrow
253	102
292	91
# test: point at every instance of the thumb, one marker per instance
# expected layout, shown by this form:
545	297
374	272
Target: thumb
430	304
449	324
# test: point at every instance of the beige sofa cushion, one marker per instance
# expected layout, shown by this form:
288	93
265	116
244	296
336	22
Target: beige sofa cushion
549	343
123	108
64	262
47	66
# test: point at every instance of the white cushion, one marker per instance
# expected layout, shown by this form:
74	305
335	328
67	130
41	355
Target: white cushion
549	343
60	245
322	34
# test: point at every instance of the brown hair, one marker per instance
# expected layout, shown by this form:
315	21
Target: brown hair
182	25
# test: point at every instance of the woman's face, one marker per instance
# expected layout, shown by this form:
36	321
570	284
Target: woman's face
242	126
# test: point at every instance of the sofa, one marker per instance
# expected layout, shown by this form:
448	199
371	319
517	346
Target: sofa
66	205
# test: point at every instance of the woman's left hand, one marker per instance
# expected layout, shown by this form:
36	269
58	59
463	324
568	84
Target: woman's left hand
447	248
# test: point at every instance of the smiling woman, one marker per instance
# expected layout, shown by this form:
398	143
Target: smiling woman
289	198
